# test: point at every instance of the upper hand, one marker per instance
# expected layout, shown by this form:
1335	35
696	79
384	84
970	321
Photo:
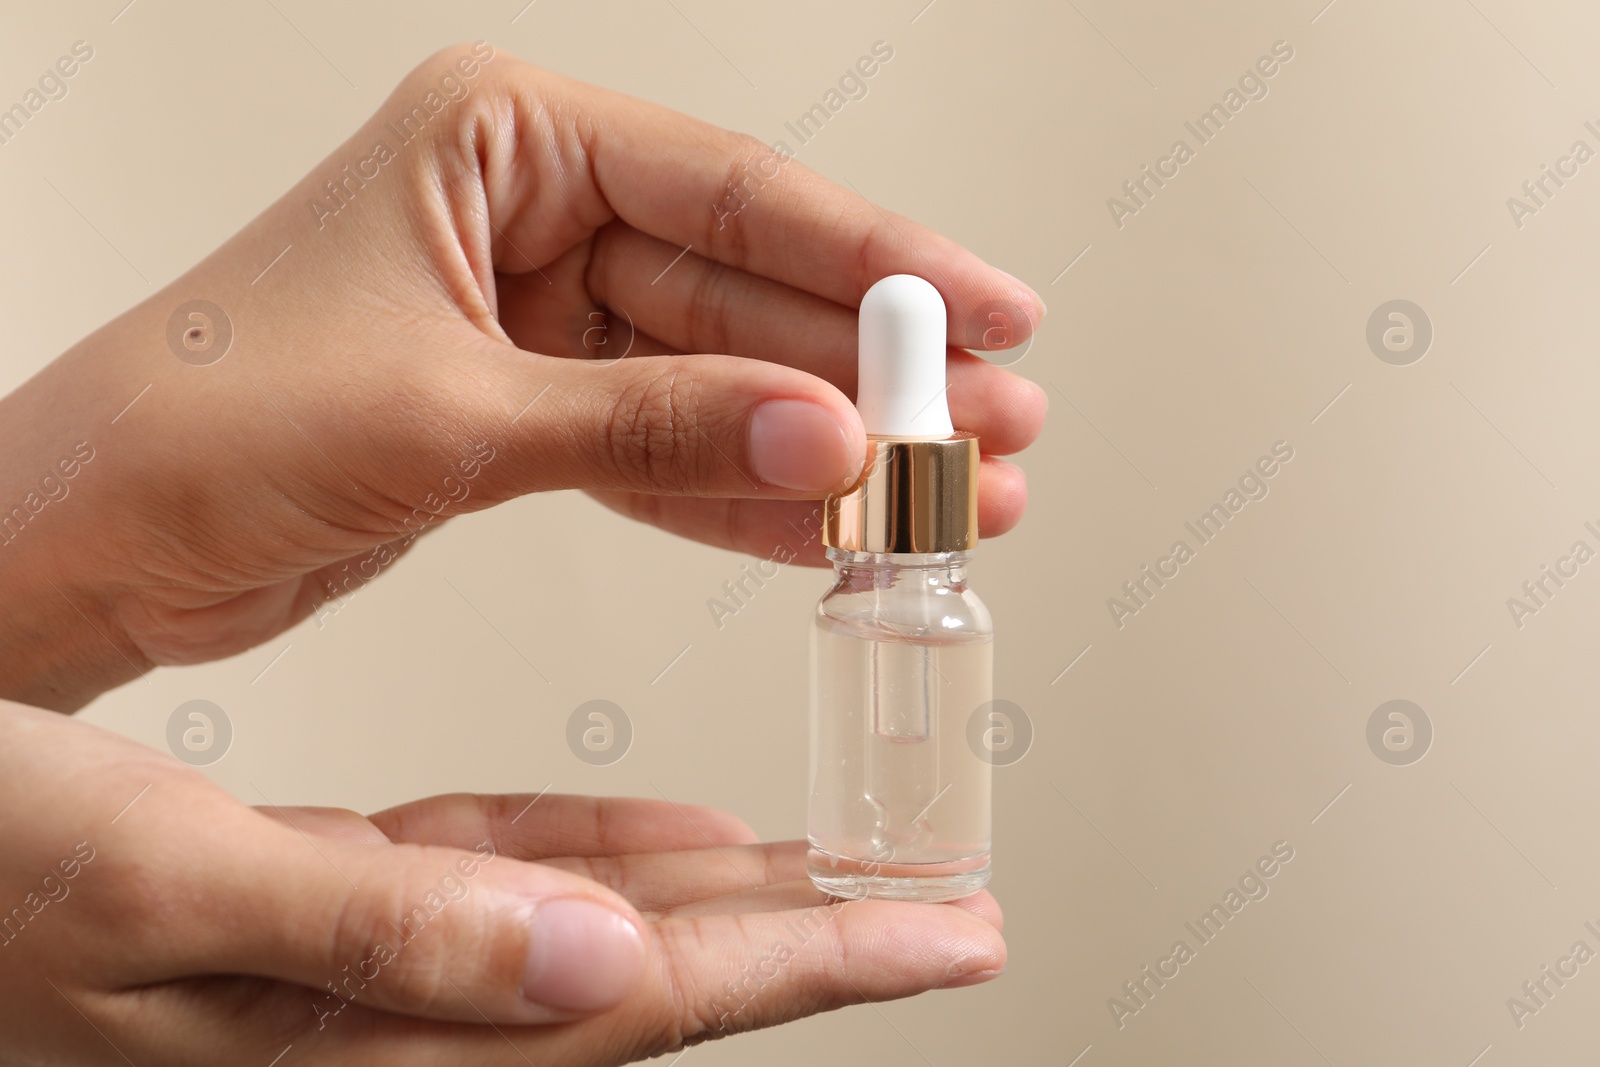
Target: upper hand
411	357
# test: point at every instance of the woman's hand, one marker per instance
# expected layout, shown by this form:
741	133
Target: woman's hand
410	334
148	917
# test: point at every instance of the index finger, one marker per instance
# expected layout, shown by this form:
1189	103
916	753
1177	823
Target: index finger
731	198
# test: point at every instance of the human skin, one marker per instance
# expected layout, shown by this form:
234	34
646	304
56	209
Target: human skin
202	931
426	325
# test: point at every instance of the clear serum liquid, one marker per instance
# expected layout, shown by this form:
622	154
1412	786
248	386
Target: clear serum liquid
902	651
902	657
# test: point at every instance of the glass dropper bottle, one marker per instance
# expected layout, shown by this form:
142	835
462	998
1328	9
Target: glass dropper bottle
902	649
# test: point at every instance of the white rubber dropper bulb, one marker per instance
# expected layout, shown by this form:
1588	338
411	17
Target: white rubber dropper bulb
901	338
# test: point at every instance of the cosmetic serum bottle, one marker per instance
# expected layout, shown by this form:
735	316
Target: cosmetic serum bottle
901	648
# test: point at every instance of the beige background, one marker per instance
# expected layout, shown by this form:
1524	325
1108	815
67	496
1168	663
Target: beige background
1222	318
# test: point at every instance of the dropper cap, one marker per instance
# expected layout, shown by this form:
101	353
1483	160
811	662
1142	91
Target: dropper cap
918	490
901	343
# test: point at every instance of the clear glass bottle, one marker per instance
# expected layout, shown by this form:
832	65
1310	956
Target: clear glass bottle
901	655
902	650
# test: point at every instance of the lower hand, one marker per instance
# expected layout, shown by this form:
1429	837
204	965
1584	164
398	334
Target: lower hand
152	918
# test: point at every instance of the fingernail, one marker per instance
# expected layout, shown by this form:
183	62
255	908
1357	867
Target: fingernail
975	978
795	444
583	957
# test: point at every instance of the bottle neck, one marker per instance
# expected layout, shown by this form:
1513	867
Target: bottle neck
950	567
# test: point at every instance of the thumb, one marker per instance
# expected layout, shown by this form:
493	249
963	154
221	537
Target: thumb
437	932
679	425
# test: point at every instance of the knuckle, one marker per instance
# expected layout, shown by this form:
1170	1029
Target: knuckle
689	1015
450	72
746	175
262	1010
372	945
446	97
707	307
652	433
695	1009
605	828
144	900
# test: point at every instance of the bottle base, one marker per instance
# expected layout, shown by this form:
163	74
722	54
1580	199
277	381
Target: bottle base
929	883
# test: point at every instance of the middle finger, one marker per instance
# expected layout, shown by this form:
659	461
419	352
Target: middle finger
699	305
